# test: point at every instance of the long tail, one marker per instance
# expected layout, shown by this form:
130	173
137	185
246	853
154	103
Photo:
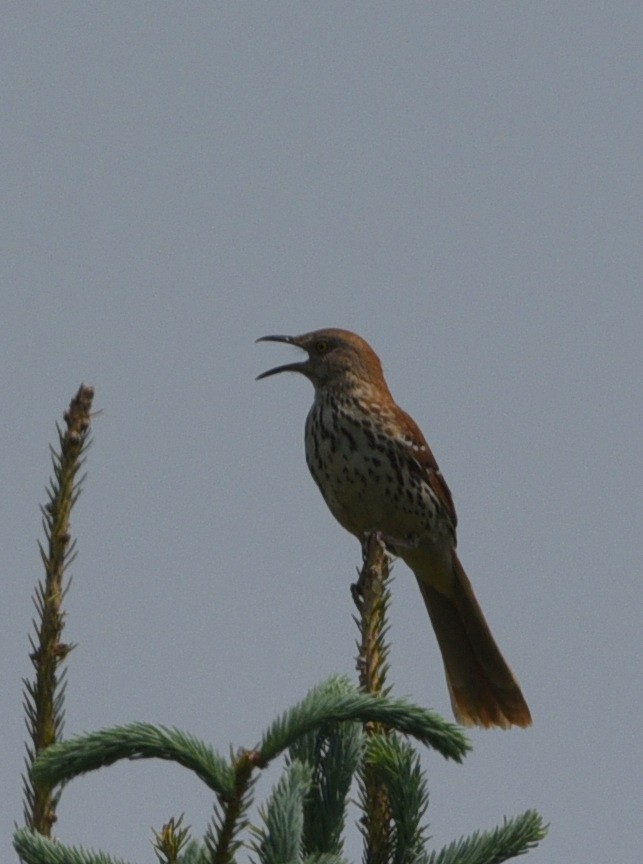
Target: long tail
483	689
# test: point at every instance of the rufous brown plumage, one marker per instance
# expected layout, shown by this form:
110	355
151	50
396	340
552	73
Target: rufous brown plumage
376	471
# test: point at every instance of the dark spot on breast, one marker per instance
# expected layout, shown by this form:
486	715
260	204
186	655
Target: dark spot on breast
369	436
351	440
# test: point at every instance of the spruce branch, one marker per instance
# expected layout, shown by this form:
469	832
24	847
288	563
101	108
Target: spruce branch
333	751
282	837
337	700
43	698
514	837
87	752
398	766
372	596
171	840
324	858
195	853
230	814
34	848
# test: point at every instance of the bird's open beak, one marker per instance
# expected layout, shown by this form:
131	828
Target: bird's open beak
287	367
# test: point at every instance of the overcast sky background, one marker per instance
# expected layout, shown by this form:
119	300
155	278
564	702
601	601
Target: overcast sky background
460	183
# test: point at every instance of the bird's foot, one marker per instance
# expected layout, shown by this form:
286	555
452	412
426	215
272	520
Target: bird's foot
373	542
409	541
371	539
357	593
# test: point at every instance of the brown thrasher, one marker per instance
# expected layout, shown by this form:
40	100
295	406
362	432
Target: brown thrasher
376	471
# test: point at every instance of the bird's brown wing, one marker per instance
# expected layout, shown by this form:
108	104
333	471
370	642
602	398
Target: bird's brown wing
421	455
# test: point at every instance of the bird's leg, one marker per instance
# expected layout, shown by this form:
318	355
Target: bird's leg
390	545
409	541
357	592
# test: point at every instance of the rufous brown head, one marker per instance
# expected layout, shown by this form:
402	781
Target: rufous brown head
335	357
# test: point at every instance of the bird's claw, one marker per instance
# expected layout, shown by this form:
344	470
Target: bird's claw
372	537
357	594
391	543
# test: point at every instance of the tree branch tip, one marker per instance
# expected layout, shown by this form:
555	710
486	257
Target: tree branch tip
77	417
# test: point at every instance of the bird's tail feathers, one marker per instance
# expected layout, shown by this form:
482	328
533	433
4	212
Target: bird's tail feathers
483	689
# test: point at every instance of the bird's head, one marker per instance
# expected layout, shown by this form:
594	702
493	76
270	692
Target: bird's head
335	358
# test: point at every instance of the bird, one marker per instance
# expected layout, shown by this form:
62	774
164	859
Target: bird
376	472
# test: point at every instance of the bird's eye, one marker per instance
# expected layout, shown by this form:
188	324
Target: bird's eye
321	346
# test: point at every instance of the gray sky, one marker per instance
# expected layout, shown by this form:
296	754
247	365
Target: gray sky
460	183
